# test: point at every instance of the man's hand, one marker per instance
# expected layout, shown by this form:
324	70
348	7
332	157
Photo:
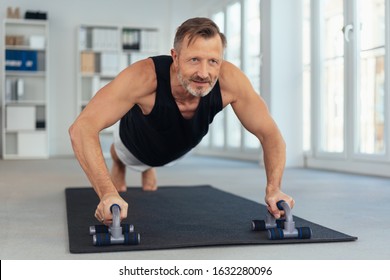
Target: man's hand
103	213
273	195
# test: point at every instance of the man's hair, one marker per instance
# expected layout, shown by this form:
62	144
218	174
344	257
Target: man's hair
195	28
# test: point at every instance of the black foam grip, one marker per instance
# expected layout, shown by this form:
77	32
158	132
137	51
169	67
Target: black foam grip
280	223
304	233
103	239
125	228
258	225
279	204
113	206
101	229
131	238
275	234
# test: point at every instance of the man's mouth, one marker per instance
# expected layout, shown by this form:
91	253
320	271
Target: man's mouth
201	81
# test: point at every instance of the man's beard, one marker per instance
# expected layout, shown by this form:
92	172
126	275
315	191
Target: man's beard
198	91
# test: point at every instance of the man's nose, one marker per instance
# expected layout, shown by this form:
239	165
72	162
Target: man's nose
203	70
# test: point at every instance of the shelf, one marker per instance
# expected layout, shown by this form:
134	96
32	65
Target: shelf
28	22
23	48
131	51
37	130
25	93
25	102
26	73
15	157
97	75
97	50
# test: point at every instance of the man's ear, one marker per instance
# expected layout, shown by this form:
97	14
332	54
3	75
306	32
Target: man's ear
173	53
175	56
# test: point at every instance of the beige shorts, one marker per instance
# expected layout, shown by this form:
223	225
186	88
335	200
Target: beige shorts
124	154
128	158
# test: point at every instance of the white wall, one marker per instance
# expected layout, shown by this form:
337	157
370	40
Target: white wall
281	53
64	17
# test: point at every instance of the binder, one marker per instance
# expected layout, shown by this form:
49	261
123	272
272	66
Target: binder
21	60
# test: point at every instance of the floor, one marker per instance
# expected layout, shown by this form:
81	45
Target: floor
33	219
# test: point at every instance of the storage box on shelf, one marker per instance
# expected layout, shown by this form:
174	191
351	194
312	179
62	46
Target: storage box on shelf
24	102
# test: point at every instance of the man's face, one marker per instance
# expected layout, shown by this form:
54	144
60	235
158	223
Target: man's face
198	64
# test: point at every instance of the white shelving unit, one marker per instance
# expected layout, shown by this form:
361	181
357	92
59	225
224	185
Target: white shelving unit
24	99
104	51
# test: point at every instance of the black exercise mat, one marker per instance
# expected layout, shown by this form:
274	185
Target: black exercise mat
178	217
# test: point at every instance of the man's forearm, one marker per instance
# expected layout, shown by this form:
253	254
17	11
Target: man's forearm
87	149
274	150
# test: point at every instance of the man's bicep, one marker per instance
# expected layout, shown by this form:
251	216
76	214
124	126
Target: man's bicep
108	105
117	97
254	115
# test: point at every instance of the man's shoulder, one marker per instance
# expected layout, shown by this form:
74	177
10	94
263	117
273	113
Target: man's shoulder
229	70
141	70
139	78
233	82
146	64
229	74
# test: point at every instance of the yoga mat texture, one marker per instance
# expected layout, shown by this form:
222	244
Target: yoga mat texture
179	217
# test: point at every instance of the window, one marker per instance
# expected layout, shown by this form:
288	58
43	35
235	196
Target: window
350	110
371	94
332	69
233	54
252	58
306	84
240	22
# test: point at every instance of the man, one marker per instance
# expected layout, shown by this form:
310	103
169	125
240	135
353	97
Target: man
165	105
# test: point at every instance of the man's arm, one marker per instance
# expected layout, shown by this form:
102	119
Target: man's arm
255	117
109	104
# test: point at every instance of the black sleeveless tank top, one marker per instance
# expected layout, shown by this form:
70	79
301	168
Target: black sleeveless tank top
164	135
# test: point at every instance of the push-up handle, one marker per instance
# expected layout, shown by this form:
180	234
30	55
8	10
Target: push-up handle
115	234
284	228
269	222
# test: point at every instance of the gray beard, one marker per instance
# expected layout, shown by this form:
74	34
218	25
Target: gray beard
194	92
